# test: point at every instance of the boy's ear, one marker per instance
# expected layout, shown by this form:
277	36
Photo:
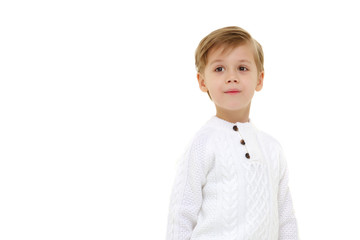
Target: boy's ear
260	81
201	82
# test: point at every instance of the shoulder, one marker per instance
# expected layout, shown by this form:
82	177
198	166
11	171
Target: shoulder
269	142
273	150
202	138
199	150
202	144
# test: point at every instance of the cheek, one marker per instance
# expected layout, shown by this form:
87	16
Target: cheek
250	88
252	82
214	83
218	88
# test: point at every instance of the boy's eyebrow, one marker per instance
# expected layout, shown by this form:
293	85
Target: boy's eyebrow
220	60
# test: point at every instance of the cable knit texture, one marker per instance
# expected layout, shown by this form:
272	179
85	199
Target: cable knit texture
220	194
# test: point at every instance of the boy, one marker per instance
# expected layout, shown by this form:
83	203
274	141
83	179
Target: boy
232	181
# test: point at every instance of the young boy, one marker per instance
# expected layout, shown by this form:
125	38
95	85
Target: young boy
232	181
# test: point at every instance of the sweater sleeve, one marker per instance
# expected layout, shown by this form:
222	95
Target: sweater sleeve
288	229
186	196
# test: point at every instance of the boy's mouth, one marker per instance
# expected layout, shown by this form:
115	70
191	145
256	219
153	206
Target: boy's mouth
232	91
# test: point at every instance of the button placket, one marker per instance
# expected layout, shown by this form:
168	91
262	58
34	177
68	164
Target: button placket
242	141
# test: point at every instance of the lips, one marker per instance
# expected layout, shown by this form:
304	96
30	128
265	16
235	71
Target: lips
232	90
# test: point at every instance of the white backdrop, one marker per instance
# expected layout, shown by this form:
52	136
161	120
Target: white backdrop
98	100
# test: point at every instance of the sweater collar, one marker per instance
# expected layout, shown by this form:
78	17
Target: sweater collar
223	124
247	131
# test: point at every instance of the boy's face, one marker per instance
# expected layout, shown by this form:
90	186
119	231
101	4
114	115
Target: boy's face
231	77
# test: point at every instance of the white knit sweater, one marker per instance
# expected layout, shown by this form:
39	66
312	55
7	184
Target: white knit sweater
220	194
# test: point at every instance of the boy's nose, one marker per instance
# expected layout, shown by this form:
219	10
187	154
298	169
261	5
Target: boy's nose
231	76
232	80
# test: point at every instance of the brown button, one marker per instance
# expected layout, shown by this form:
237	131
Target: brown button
235	128
247	155
242	142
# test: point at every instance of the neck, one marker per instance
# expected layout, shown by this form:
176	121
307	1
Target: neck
241	115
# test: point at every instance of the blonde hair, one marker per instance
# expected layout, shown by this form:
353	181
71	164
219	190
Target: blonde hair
229	38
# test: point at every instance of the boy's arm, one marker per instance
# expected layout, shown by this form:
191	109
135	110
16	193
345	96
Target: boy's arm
186	197
288	229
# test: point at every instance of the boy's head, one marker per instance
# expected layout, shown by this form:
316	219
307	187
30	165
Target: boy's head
228	38
230	59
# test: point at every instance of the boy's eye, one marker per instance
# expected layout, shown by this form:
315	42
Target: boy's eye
219	69
243	68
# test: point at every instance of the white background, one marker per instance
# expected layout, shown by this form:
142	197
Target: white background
98	100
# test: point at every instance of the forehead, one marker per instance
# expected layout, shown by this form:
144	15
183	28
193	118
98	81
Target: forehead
243	51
